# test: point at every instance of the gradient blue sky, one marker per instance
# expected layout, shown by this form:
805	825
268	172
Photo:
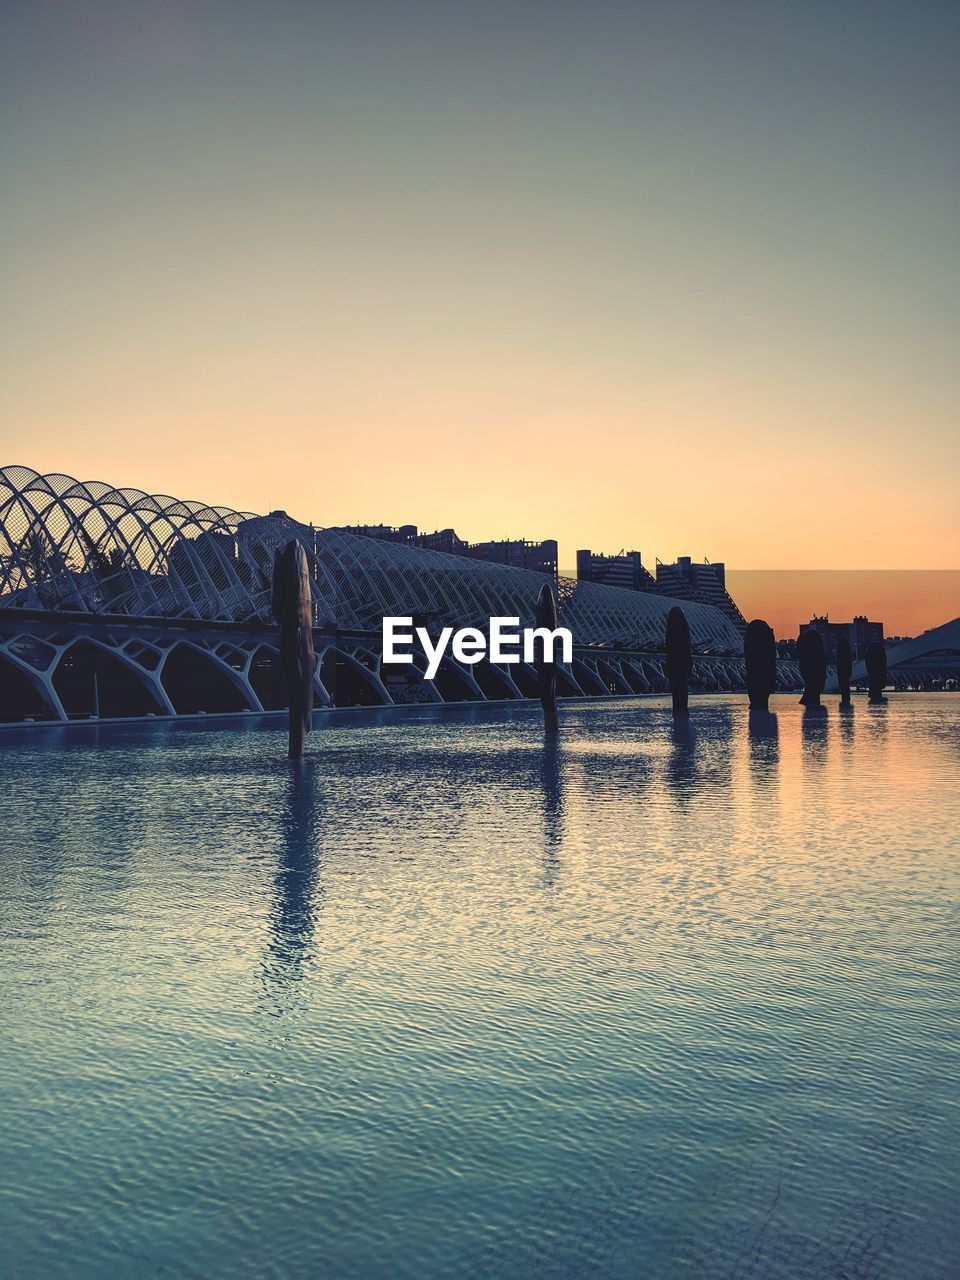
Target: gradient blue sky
676	276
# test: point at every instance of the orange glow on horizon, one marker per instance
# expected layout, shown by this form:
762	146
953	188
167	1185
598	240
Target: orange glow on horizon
907	602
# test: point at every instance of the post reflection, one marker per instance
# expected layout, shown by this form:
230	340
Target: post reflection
876	724
847	722
551	784
763	735
295	886
815	734
681	769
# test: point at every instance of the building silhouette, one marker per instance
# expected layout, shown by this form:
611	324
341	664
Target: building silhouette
119	603
865	633
861	633
386	533
685	579
705	583
623	570
519	553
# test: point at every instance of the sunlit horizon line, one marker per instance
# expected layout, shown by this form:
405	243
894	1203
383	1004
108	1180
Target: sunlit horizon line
483	536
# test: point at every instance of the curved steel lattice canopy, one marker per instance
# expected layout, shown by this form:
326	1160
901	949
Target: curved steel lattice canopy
88	547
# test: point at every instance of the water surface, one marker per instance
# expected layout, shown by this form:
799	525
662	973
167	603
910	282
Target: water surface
443	1002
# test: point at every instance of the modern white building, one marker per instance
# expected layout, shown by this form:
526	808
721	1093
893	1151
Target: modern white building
115	602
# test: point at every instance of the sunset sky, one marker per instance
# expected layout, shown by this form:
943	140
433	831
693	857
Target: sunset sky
681	276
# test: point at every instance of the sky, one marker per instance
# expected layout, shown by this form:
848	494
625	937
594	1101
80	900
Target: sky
906	601
680	277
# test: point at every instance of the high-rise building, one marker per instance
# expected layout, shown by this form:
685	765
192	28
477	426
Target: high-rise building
623	570
861	633
829	632
865	633
705	583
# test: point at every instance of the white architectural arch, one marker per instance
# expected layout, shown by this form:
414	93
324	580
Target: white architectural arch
92	548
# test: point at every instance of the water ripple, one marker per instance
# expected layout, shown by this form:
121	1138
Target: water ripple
447	1000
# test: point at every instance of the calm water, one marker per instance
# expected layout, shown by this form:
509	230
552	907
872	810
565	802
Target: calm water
441	1003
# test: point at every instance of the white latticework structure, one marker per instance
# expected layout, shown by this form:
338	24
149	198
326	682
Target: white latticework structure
115	602
89	547
92	548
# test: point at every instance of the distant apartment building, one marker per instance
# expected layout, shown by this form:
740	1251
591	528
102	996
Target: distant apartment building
865	633
829	632
704	583
541	557
520	553
861	633
623	570
445	540
384	532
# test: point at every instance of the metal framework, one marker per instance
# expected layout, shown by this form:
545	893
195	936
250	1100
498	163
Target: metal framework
88	547
92	548
128	572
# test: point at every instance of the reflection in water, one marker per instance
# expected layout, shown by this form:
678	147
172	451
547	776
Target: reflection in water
733	1016
553	816
681	766
764	739
762	724
846	722
875	726
295	884
815	733
702	757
